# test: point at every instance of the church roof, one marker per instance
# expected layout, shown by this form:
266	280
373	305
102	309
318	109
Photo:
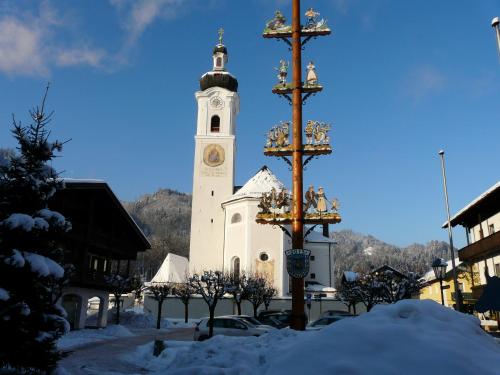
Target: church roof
219	79
262	182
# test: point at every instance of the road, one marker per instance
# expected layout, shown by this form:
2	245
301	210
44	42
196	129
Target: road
105	357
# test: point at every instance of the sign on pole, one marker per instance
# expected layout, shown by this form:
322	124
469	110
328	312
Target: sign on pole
297	262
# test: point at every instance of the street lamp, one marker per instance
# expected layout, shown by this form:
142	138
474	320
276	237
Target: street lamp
439	266
458	294
495	22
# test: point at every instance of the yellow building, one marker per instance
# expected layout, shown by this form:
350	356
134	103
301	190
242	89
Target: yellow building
431	290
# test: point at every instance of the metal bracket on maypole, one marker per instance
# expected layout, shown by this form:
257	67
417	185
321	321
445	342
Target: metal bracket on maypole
279	208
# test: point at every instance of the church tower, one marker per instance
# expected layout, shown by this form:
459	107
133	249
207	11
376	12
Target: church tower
215	148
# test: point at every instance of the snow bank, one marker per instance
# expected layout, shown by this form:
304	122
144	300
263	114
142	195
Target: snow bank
4	295
411	337
43	266
74	339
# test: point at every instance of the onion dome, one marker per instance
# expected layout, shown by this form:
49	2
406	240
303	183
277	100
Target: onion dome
219	77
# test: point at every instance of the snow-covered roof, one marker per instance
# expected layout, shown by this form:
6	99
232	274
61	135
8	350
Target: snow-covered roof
316	237
262	182
350	276
319	288
472	204
83	180
430	276
173	269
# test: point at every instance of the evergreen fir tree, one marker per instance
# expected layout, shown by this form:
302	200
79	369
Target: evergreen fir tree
31	275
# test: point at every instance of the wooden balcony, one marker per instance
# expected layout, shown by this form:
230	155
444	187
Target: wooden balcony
485	248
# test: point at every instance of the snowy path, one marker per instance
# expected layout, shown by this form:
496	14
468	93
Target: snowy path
104	357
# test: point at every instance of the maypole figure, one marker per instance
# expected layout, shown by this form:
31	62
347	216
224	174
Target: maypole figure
311	77
311	18
282	72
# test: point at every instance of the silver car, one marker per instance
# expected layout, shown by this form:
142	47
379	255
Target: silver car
228	326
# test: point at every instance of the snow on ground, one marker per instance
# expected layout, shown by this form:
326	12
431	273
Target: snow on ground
74	339
411	337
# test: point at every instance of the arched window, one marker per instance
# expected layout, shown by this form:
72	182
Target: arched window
235	267
215	124
218	62
236	218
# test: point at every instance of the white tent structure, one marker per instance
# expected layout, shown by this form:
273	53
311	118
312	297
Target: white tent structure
173	269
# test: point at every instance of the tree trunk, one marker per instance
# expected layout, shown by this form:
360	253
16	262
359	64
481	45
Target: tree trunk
186	312
117	305
211	322
238	305
158	318
353	308
255	311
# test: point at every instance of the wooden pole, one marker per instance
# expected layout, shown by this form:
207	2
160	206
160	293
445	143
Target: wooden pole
298	319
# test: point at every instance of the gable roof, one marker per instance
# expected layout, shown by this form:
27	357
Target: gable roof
102	185
262	182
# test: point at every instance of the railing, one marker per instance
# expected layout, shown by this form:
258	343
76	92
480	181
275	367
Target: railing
484	248
467	296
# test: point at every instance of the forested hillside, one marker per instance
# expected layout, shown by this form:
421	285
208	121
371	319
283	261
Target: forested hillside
165	218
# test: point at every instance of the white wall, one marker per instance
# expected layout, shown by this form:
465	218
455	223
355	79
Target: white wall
485	224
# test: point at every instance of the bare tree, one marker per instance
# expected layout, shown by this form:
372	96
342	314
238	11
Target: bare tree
184	291
159	292
119	285
235	288
269	292
211	285
254	289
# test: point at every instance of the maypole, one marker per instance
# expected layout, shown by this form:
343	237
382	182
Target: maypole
275	207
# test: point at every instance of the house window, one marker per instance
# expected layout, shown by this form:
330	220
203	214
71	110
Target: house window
491	228
215	124
313	275
236	218
497	269
312	257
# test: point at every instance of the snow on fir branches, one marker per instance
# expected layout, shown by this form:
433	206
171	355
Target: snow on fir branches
31	254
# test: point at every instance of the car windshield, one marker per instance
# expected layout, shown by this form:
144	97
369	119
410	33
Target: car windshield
250	319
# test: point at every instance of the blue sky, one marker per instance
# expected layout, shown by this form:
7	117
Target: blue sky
402	80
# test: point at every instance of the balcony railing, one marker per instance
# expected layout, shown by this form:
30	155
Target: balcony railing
484	248
466	296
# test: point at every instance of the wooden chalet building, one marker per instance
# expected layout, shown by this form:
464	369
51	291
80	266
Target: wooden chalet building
104	240
481	221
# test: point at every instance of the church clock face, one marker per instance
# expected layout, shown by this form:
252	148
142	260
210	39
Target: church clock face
213	155
216	102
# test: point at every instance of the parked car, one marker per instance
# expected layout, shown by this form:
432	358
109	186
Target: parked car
276	318
335	313
325	321
251	320
228	326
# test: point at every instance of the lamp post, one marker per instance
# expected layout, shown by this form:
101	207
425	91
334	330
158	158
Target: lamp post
495	22
458	294
439	266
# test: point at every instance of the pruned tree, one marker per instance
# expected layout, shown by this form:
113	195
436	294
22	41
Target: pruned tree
234	287
211	285
269	293
31	254
184	291
119	285
350	294
160	292
254	289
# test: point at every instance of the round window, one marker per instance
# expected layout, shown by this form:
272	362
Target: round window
263	257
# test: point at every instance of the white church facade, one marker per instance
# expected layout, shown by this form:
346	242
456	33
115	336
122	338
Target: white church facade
224	233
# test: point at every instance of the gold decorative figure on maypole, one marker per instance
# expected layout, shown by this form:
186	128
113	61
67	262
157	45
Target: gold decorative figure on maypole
278	208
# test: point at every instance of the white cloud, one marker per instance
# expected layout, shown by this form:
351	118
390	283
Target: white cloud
81	56
20	51
28	43
423	81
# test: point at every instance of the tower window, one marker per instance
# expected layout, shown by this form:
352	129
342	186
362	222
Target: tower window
264	257
215	124
218	62
235	267
236	218
212	193
313	275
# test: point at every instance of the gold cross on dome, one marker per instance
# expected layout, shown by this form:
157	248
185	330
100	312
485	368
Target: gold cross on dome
221	34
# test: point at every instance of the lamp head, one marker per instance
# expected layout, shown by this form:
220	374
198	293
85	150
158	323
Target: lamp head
441	152
495	22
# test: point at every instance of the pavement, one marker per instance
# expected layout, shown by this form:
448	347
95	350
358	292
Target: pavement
105	357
